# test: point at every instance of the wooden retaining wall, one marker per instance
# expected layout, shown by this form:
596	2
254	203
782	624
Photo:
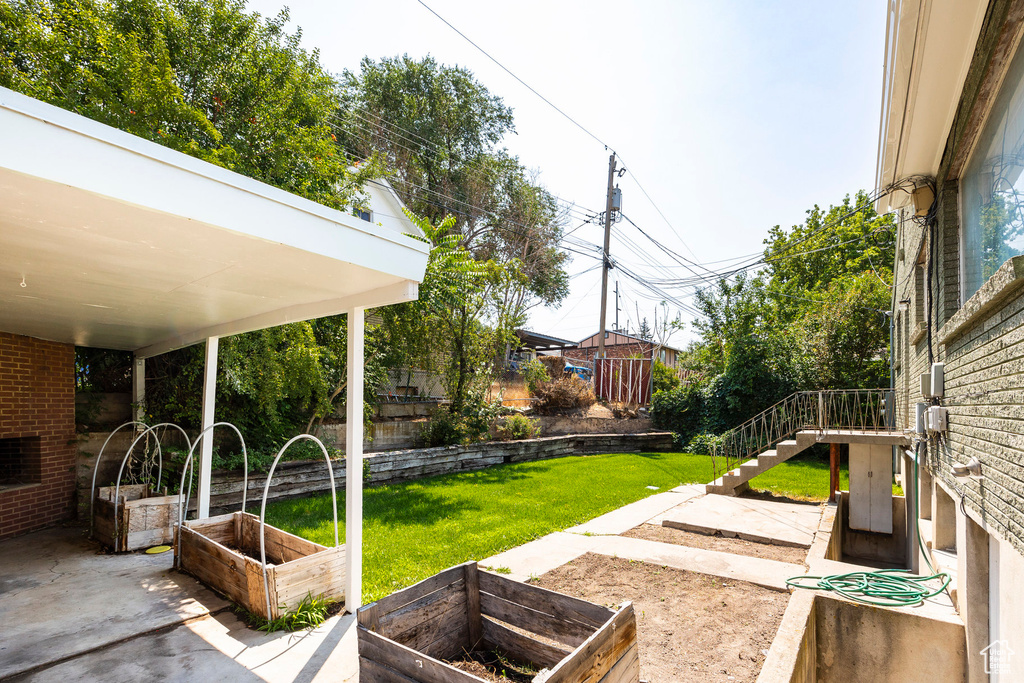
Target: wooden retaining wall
302	478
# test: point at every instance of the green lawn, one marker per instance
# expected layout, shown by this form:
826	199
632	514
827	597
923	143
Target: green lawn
415	529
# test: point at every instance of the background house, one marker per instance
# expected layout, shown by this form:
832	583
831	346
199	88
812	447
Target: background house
952	140
622	345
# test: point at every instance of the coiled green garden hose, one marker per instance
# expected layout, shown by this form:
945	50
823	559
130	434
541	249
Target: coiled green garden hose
882	588
885	587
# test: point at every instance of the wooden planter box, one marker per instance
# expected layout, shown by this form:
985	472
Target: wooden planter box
143	519
223	552
404	636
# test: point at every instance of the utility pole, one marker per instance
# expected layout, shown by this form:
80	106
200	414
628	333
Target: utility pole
616	305
604	265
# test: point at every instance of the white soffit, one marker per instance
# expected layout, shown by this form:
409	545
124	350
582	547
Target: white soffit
930	44
122	243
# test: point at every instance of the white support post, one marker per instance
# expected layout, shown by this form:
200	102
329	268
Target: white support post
354	463
139	389
206	450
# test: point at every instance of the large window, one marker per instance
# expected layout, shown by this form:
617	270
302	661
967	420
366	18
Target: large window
992	187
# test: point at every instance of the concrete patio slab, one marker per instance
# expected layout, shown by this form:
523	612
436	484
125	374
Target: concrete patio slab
220	648
764	521
767	573
554	550
632	515
60	596
542	555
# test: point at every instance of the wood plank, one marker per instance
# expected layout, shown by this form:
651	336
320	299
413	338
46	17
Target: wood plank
280	545
542	600
571	633
473	605
599	653
398	620
220	529
627	669
148	538
213	564
519	646
420	624
451	644
256	601
375	672
416	591
367	616
409	662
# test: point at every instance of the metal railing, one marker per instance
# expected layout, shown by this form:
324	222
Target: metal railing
854	410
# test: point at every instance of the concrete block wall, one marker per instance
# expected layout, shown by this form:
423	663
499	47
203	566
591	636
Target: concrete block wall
37	403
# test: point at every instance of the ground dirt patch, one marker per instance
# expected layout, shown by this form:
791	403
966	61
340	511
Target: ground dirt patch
736	546
691	627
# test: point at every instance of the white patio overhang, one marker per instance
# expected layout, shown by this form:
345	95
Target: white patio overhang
928	50
112	241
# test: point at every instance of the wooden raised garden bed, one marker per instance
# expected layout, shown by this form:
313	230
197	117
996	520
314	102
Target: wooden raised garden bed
408	635
224	553
140	519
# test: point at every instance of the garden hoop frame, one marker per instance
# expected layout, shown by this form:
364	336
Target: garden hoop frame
263	506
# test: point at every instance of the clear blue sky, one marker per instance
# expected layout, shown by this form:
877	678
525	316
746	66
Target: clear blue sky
734	115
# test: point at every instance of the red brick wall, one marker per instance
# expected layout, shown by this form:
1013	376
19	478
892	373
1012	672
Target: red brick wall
634	350
37	399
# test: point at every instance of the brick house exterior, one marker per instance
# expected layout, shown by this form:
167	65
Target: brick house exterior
620	345
37	433
950	308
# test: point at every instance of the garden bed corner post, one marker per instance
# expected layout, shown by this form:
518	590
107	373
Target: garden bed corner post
206	452
354	462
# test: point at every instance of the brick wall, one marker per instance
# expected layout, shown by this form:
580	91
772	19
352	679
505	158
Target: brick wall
636	350
984	359
37	417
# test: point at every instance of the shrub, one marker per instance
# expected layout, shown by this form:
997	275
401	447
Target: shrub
535	372
515	427
444	428
472	423
680	410
555	365
568	392
703	444
665	378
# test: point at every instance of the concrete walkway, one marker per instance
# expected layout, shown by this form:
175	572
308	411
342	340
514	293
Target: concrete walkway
601	535
752	519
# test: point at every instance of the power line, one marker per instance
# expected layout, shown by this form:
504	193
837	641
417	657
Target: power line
521	81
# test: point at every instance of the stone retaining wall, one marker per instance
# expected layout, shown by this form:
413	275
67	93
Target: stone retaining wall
302	478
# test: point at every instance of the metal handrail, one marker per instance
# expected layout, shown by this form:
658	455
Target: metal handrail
867	410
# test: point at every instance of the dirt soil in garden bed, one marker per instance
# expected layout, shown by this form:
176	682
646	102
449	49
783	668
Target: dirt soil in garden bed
736	546
490	667
691	627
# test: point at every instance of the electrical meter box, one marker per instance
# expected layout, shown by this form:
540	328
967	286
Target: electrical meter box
935	420
920	426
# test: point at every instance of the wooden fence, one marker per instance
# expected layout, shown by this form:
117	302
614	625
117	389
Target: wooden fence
623	380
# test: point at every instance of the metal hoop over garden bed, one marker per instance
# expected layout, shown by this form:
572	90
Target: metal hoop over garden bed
138	519
220	551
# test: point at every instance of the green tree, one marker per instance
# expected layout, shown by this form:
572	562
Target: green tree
208	79
437	130
459	311
202	77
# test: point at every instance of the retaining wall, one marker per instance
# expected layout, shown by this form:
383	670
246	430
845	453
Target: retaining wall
297	479
301	478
